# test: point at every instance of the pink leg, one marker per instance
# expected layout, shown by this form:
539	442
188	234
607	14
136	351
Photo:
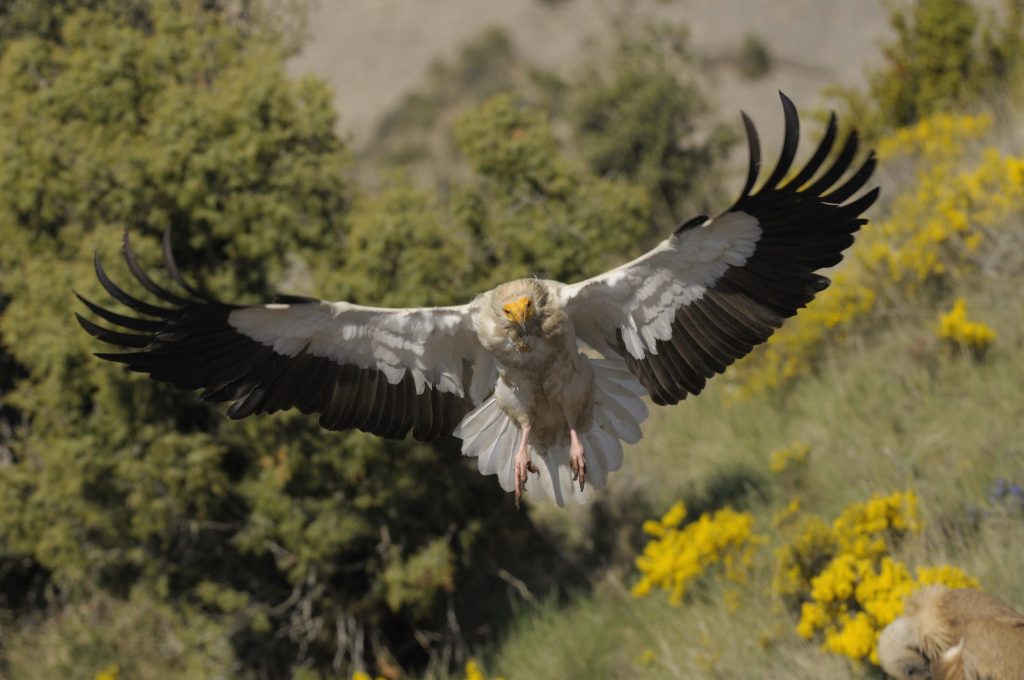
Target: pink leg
523	464
577	459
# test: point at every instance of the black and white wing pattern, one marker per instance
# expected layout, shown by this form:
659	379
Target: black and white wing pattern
715	288
384	371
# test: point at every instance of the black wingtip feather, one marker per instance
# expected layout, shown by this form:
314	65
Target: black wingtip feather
126	299
854	183
838	168
172	270
111	336
754	146
144	325
789	144
143	278
120	357
820	154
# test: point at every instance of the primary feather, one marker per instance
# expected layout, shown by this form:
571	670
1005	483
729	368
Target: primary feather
507	372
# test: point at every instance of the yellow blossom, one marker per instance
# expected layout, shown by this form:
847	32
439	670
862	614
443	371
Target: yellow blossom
945	575
473	671
677	556
972	335
793	455
645	658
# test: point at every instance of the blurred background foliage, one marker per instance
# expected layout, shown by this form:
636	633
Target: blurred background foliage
945	55
143	535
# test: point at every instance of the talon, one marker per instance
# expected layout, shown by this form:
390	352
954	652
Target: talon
577	459
579	470
523	466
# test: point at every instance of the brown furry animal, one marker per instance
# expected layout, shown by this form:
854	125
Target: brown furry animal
954	635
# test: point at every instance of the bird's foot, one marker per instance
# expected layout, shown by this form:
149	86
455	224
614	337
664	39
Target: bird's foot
524	466
577	460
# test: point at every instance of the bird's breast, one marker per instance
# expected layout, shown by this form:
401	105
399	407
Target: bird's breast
548	393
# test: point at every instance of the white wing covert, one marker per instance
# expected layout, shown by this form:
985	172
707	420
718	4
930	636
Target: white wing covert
384	371
715	288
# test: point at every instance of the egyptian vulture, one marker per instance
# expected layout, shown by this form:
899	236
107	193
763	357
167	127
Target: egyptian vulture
954	635
535	376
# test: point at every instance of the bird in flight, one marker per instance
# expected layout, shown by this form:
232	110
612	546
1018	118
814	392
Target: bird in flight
542	381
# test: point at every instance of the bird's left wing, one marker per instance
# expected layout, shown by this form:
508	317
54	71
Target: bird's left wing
384	371
715	288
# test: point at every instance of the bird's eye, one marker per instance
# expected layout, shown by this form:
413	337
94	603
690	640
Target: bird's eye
529	304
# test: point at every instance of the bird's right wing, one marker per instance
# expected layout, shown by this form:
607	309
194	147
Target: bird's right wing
384	371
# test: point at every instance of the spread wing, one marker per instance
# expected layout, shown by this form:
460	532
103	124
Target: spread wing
715	288
384	371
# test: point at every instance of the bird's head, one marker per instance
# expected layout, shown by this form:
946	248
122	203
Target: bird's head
520	309
521	321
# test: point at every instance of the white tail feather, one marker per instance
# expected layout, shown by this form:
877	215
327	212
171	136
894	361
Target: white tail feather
488	434
497	452
597	466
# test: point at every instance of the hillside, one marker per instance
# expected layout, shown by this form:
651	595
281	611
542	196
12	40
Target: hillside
373	52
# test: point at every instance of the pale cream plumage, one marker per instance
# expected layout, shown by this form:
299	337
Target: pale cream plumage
954	634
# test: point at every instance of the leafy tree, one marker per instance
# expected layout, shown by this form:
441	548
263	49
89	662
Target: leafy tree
530	210
755	59
128	506
639	117
117	120
403	232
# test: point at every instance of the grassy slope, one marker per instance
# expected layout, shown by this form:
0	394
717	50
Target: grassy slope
890	408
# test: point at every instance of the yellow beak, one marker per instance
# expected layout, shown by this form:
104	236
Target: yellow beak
519	310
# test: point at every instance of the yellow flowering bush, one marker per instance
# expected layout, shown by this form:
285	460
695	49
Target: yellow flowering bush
787	514
838	577
863	528
678	555
794	455
843	579
363	675
932	230
475	672
801	559
111	672
936	138
962	333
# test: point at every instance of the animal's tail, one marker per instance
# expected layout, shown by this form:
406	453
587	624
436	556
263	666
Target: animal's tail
491	436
